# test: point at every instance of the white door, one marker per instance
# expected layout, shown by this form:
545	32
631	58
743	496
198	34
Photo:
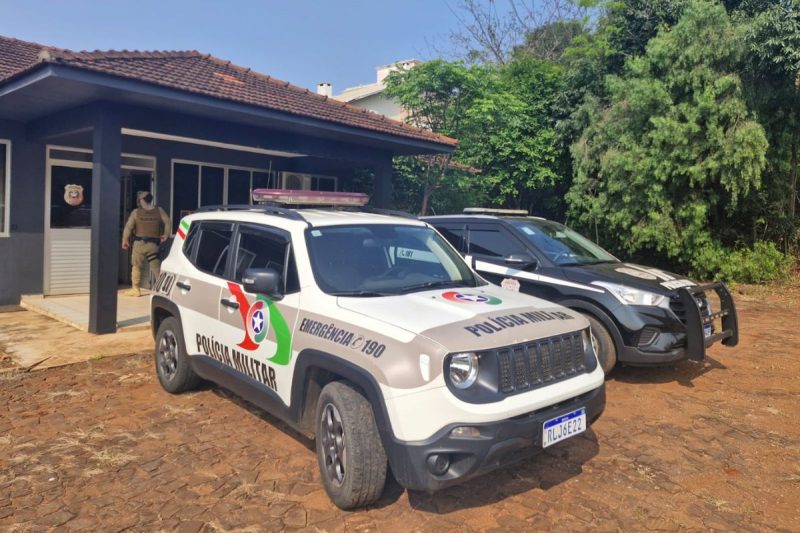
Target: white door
68	233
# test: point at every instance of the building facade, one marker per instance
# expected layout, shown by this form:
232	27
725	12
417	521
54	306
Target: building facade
82	132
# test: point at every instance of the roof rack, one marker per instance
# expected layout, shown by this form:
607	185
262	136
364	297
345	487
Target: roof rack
259	208
493	211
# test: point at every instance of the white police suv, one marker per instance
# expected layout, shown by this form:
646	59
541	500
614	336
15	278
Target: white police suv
370	333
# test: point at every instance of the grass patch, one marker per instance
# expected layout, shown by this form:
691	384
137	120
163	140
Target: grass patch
113	458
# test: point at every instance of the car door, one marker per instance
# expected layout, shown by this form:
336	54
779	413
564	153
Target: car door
490	246
198	284
257	331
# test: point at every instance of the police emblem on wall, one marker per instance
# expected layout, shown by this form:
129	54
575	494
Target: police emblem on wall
73	194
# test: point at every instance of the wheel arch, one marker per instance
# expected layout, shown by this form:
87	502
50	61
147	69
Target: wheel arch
161	308
600	314
315	369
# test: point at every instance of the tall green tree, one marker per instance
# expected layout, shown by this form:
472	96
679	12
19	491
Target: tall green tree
436	95
772	75
510	134
665	165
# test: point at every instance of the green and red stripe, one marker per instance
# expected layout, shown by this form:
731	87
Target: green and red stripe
183	229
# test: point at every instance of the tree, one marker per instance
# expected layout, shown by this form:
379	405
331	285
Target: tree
492	31
510	135
772	37
665	166
436	95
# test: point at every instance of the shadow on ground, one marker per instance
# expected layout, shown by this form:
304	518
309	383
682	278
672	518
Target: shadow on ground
683	372
544	470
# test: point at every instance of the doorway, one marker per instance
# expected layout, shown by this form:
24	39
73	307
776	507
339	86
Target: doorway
68	214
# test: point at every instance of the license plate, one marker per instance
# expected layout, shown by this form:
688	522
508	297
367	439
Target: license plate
563	427
707	330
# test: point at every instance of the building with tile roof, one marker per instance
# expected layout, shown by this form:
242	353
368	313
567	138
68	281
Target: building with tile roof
191	128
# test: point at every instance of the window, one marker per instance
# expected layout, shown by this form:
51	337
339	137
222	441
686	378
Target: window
212	249
492	241
5	185
70	197
560	244
195	185
185	185
454	234
212	186
191	239
382	259
261	248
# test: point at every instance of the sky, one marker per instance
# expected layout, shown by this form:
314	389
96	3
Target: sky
304	42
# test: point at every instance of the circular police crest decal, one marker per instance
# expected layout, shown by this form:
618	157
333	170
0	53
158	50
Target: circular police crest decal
467	298
257	321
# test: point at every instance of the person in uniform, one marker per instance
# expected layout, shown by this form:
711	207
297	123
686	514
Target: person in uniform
149	226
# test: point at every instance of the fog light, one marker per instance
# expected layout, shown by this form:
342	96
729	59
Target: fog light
465	432
438	463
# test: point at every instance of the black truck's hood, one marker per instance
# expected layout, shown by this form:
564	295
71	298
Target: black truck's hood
630	275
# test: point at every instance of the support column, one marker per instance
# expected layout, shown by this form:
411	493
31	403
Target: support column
382	190
107	163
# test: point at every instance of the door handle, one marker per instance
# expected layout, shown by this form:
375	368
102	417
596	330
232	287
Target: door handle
229	304
183	286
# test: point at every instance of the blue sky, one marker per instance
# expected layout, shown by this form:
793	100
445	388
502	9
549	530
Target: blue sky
301	41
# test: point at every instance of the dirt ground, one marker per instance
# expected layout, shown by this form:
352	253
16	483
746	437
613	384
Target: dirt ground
99	446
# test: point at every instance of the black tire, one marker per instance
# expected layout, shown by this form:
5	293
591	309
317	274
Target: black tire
173	367
352	461
603	343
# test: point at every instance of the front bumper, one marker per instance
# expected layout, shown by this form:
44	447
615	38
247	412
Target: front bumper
681	332
500	443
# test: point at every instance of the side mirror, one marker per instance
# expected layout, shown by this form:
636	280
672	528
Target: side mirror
266	281
521	261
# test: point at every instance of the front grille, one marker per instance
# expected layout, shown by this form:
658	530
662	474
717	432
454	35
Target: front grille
677	307
527	366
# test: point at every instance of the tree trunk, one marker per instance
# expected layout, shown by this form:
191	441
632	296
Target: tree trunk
425	197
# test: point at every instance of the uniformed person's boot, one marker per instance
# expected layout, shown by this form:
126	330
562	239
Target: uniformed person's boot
136	281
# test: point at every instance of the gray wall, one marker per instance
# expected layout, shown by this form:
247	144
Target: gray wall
22	253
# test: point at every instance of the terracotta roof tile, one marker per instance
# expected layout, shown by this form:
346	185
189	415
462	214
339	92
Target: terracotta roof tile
207	75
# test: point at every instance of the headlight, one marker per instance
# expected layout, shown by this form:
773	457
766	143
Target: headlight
463	369
631	296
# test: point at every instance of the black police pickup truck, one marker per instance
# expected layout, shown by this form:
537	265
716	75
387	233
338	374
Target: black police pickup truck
639	315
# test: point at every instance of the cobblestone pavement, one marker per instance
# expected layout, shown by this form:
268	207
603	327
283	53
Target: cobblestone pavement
99	446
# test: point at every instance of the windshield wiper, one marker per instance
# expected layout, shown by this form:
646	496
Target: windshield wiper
433	285
578	263
364	294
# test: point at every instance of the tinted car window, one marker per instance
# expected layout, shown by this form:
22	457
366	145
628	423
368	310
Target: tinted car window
265	249
191	240
560	244
492	241
212	249
456	235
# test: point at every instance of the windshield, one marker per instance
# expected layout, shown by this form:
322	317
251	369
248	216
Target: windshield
560	244
384	259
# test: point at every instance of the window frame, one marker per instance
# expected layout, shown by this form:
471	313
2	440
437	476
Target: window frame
271	232
272	177
224	225
6	229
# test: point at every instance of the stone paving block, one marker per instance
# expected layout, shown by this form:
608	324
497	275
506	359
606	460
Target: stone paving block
663	456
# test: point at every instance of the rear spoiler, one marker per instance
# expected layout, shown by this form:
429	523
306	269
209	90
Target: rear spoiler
696	341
